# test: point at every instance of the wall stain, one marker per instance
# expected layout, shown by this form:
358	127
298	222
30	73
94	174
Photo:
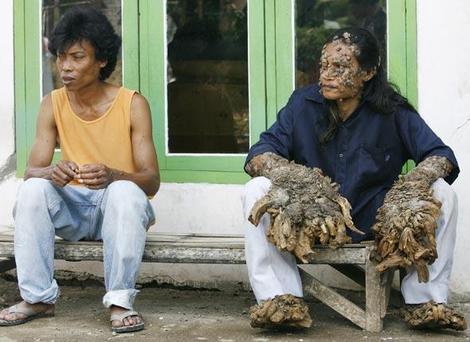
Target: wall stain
8	168
463	125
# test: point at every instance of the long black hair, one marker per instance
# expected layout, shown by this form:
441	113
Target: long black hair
87	23
381	95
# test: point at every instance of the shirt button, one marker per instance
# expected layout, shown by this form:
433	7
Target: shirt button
341	155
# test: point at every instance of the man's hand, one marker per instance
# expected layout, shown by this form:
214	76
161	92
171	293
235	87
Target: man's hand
405	227
95	176
305	207
63	172
262	164
255	166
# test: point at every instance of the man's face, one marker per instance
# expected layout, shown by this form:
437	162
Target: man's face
340	75
78	66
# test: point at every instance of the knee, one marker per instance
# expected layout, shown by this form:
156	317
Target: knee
126	196
34	187
33	205
32	193
444	193
256	187
127	214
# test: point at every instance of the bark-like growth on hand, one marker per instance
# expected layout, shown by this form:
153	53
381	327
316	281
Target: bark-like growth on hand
304	205
433	316
405	228
281	311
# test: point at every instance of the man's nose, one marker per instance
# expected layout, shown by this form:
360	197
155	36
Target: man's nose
66	64
327	75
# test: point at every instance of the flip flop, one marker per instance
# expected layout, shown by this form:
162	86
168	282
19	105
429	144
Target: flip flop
28	312
126	328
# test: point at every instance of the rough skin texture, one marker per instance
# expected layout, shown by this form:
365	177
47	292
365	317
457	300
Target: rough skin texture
281	311
304	205
433	316
405	227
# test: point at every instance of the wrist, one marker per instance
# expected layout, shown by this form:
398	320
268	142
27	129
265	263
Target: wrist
112	176
115	175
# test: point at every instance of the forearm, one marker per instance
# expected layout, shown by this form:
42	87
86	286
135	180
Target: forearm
148	181
429	170
263	164
38	172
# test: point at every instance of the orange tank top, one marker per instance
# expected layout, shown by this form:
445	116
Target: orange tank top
106	140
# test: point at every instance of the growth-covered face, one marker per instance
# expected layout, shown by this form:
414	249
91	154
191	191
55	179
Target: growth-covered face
341	77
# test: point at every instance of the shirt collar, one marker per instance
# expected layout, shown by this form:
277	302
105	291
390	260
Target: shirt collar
314	94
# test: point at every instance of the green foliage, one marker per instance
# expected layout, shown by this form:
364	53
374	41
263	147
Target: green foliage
309	42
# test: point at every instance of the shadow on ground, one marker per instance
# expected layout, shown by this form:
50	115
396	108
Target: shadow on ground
173	314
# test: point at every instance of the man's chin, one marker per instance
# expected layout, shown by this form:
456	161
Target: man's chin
330	95
69	86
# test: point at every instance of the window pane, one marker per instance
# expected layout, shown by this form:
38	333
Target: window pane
52	10
207	76
317	19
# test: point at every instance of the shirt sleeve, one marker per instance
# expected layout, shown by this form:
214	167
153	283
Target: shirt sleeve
421	142
278	138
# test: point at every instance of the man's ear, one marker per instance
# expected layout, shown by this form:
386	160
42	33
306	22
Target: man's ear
367	75
103	64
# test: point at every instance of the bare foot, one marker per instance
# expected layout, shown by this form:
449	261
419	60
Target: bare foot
25	307
128	321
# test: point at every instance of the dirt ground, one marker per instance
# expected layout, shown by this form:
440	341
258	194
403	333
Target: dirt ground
174	314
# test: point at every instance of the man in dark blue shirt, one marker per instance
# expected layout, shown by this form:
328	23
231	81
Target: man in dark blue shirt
359	132
364	158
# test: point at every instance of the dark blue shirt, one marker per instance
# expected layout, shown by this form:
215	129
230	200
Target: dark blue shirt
365	156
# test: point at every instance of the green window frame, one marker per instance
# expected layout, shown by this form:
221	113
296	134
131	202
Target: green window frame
198	168
270	46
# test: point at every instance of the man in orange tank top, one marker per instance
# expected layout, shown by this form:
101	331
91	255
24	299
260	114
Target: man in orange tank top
100	188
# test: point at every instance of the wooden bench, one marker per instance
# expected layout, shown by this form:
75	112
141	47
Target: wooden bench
351	260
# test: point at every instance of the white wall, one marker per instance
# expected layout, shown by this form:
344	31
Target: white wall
202	208
8	182
6	86
444	102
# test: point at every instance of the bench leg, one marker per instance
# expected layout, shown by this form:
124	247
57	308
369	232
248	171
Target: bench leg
333	299
7	264
376	297
386	281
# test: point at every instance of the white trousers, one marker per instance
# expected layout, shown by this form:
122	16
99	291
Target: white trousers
272	272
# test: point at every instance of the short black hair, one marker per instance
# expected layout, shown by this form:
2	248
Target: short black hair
87	23
366	2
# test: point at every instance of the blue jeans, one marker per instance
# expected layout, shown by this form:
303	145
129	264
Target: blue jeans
119	215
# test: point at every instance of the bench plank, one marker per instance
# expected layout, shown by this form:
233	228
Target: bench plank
187	249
